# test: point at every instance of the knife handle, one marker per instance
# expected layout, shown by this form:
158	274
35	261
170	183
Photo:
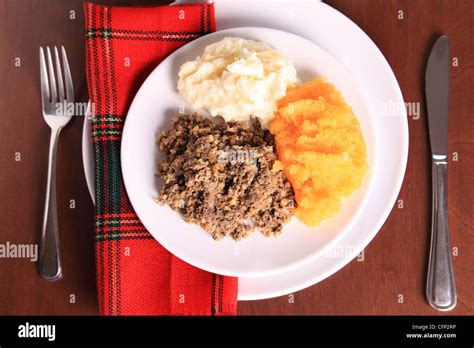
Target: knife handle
441	287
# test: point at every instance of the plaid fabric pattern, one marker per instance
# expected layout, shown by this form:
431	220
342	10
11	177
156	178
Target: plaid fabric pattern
136	275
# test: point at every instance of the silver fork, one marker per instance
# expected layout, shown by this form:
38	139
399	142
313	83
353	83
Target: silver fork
55	98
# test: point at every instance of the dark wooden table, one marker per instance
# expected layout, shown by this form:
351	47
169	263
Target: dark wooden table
390	280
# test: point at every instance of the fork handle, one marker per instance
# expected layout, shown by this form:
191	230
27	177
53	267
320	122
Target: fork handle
441	287
49	260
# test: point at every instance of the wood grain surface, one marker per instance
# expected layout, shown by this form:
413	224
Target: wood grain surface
390	279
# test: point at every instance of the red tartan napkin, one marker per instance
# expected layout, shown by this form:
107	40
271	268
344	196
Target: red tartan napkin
136	275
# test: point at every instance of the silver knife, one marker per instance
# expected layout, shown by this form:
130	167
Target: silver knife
441	287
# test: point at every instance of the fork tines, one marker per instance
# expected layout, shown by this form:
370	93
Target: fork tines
55	88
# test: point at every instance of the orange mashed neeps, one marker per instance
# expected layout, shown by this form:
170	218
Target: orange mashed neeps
320	148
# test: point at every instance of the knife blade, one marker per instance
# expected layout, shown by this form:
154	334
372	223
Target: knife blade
437	96
440	284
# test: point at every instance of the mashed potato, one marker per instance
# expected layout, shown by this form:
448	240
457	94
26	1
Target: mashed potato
236	78
320	148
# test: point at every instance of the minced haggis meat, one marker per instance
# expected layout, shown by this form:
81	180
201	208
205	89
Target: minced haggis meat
220	176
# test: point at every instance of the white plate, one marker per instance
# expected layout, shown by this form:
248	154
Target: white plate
345	41
150	113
